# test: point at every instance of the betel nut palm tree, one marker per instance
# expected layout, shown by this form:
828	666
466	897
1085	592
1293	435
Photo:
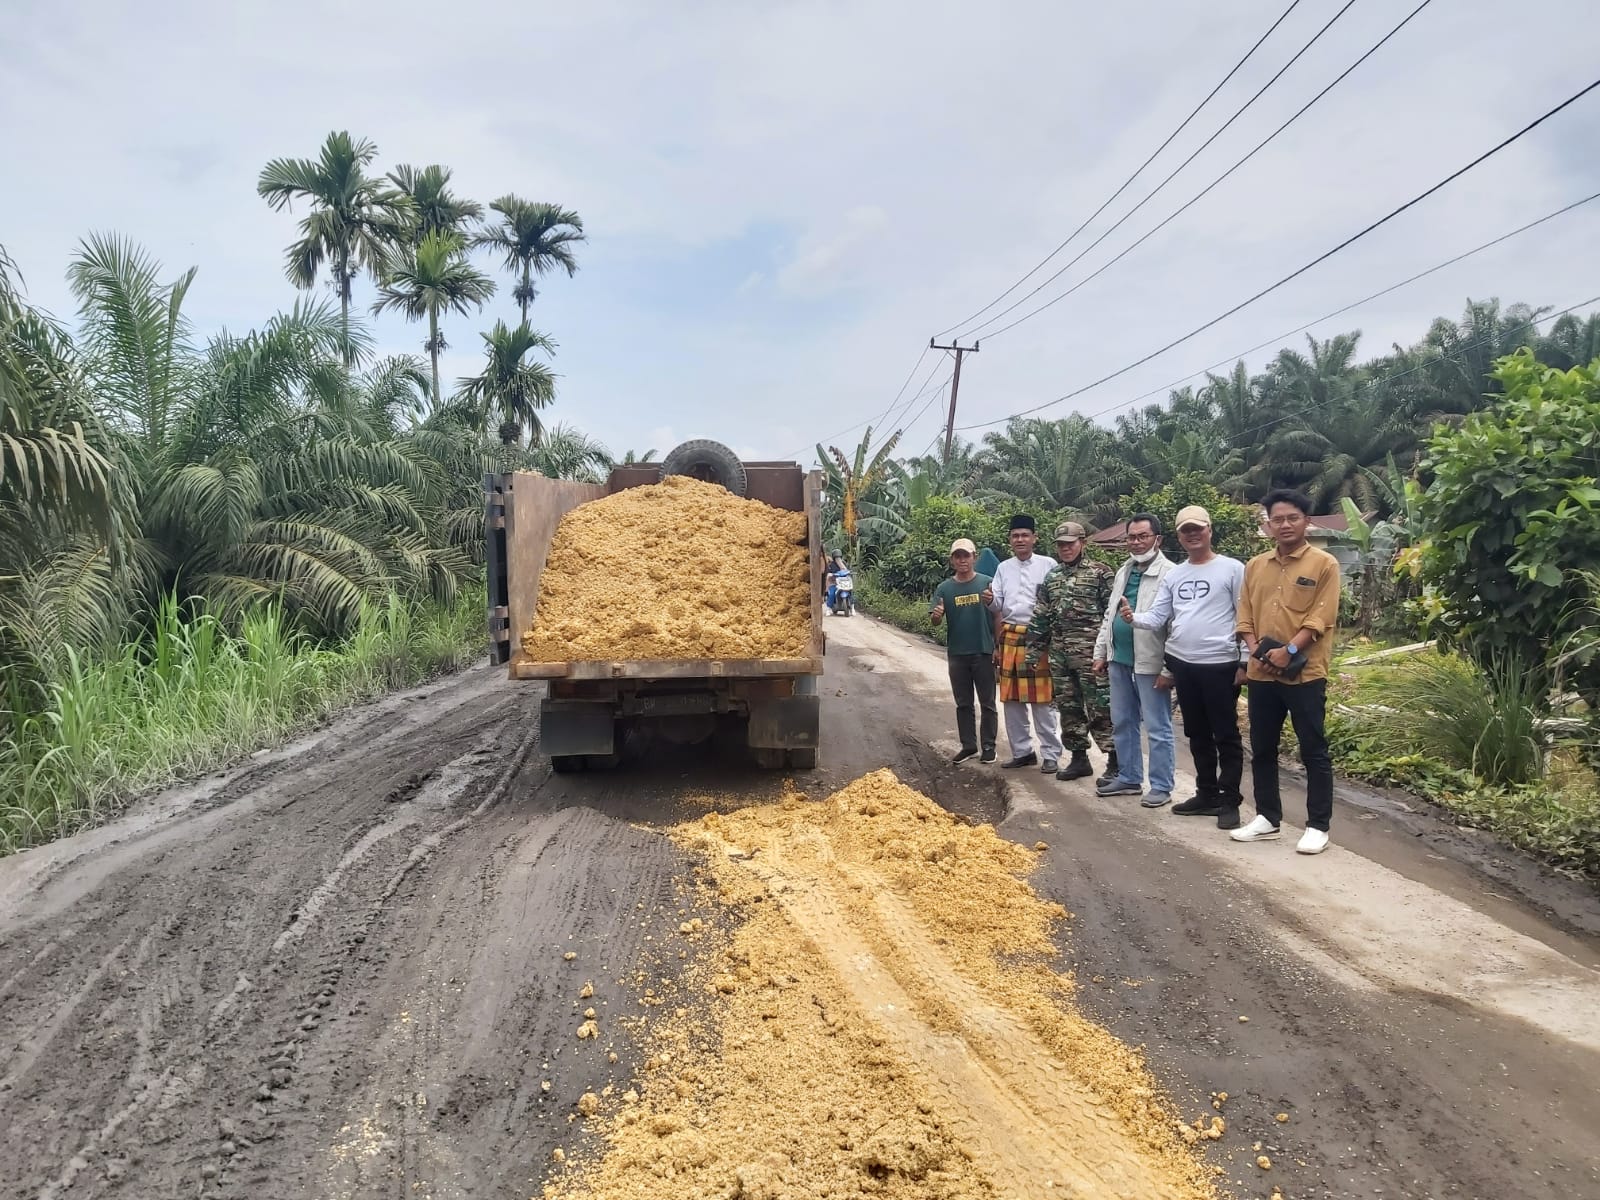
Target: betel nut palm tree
534	239
354	223
435	208
432	278
511	386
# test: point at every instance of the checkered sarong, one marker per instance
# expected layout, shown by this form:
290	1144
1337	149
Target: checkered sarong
1015	683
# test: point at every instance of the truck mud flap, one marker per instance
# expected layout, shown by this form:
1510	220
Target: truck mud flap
576	727
786	723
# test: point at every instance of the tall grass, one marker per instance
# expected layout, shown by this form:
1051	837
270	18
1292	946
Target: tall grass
1479	743
1485	722
82	734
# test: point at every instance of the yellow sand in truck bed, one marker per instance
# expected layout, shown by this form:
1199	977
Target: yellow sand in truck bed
679	570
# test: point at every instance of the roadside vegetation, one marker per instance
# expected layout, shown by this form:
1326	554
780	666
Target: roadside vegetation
209	541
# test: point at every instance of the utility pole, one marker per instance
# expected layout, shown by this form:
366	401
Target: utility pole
955	386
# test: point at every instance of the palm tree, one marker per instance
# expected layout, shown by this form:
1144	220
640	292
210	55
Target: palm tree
636	456
435	277
263	469
1455	359
1335	452
435	208
1058	465
1571	342
535	239
1325	379
55	454
853	482
509	387
567	453
354	221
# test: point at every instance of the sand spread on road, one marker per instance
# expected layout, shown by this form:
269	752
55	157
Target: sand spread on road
675	570
880	1017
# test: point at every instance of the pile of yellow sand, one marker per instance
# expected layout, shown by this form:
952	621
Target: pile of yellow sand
675	570
884	1019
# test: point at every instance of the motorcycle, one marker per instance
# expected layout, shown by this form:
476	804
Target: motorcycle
843	602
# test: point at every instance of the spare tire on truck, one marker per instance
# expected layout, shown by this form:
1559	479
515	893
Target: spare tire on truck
709	461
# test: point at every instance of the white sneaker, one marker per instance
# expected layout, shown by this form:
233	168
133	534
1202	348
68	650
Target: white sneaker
1259	830
1312	841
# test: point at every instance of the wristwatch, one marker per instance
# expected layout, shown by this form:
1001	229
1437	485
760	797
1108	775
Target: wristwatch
1291	648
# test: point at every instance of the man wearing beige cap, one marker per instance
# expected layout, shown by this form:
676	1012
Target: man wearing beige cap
969	649
1197	603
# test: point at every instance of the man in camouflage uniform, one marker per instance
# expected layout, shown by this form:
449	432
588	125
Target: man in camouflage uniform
1066	621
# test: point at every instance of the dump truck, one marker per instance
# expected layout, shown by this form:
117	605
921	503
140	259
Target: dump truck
591	706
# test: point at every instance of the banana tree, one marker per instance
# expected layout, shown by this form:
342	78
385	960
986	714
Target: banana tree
854	483
1379	541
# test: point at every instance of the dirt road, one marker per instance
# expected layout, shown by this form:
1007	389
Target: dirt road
343	971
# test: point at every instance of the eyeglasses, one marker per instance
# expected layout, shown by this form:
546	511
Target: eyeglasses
1191	529
1141	537
1291	519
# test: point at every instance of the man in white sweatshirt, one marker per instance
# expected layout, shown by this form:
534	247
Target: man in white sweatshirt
1197	603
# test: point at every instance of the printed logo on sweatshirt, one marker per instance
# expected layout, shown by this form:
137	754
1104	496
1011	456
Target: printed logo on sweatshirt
1193	589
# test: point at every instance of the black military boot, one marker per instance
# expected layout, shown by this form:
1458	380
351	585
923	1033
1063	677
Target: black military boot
1112	770
1078	768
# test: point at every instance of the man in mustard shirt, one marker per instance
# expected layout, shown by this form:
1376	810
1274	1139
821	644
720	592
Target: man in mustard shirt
1288	612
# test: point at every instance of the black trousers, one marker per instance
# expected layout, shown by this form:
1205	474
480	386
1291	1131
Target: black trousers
1209	701
1306	704
974	674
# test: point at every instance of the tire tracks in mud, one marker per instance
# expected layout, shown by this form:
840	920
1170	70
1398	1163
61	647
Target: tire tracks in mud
168	994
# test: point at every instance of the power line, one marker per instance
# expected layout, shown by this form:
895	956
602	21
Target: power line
1393	287
921	391
1129	181
909	375
892	403
915	396
1233	441
1193	200
1321	258
937	395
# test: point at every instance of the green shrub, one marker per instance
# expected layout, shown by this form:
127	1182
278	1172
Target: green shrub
915	567
1512	507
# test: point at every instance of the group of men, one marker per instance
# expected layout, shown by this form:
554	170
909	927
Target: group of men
1077	650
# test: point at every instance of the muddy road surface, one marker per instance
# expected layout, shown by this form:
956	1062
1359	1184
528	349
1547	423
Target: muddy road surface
352	967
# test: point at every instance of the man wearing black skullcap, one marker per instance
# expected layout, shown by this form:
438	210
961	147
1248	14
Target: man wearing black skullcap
1023	692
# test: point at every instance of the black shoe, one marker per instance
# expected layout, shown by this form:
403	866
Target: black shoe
987	756
1228	818
1027	760
1078	768
1112	770
1198	806
1048	767
964	755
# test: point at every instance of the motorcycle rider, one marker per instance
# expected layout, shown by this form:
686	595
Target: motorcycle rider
836	571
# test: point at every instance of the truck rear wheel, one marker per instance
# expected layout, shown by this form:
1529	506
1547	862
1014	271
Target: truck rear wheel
566	764
709	461
803	760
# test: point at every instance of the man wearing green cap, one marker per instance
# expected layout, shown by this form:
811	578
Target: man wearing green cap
1066	624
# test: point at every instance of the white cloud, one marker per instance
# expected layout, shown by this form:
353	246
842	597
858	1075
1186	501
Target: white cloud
836	255
868	176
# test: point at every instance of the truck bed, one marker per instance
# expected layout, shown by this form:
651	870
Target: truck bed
529	519
665	668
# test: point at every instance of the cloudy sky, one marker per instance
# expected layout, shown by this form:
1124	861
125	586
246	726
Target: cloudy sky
785	200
